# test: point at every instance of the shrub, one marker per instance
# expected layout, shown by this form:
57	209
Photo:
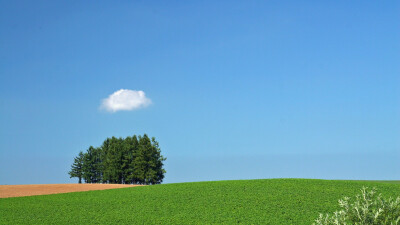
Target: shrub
368	208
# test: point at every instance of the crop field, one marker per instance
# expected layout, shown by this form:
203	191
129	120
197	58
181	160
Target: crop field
7	191
270	201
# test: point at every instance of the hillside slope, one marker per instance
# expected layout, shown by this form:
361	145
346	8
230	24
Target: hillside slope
271	201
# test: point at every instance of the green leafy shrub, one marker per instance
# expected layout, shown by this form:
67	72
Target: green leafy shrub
368	208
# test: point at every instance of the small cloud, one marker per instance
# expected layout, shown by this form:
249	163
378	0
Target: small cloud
125	99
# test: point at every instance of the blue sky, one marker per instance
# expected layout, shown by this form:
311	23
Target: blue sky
238	89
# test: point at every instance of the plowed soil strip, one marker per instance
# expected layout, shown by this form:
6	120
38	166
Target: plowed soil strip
7	191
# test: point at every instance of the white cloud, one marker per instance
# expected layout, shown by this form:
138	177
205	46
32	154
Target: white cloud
125	99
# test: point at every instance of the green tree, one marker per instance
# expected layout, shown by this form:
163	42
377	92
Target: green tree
92	165
157	161
97	165
76	167
133	160
88	167
131	145
106	161
148	162
113	172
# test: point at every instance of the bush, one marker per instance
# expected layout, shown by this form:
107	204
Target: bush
367	208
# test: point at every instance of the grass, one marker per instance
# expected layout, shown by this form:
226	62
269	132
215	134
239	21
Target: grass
271	201
389	181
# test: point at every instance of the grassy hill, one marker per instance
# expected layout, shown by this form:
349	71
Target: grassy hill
271	201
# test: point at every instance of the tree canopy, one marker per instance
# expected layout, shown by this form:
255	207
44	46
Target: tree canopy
130	160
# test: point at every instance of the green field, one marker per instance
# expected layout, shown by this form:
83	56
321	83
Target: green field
271	201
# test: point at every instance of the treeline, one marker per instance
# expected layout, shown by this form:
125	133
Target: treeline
130	160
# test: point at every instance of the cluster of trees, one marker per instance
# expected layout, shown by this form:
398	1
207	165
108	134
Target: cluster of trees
130	160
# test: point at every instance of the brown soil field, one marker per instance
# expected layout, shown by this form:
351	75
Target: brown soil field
7	191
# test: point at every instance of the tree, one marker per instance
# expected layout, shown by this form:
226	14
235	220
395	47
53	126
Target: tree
76	167
148	162
130	160
158	160
87	168
106	161
92	168
113	160
131	147
97	161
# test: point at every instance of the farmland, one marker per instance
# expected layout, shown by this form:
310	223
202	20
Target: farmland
270	201
7	191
